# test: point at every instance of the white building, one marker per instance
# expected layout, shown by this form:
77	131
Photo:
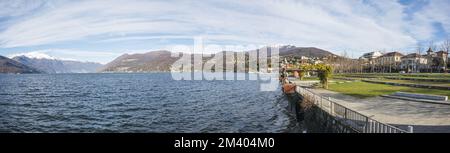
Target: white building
413	63
371	55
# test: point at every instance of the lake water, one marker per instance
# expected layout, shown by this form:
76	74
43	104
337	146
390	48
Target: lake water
138	103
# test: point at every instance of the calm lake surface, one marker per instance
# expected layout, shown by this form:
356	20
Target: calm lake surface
138	103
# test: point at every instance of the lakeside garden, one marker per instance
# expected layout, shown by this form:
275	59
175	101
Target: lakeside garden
362	85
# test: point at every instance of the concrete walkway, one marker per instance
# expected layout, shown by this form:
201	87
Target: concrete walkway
424	117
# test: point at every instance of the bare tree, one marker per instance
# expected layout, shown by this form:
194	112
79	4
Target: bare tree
344	54
419	49
445	46
382	62
432	46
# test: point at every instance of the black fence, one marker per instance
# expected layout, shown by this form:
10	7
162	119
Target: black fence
352	119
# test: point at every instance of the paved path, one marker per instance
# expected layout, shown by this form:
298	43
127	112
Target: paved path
424	117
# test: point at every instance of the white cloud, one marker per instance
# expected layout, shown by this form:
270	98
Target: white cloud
435	12
11	8
335	25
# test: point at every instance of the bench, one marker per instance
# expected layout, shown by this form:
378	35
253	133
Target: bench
421	96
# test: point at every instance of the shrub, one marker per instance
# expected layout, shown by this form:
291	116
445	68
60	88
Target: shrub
324	73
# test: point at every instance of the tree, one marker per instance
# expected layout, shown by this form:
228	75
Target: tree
303	70
432	46
446	47
419	49
324	73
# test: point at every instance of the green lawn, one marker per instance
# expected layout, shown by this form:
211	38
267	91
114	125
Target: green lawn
310	78
317	78
365	90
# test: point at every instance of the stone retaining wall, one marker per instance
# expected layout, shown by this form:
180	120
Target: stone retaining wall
419	79
315	119
409	85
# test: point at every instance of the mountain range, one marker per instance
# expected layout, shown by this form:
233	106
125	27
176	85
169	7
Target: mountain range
161	61
293	51
35	62
147	62
53	65
153	61
11	66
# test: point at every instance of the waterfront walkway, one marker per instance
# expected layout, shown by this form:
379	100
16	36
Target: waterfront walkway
424	117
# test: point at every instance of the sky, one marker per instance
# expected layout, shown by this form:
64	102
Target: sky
101	30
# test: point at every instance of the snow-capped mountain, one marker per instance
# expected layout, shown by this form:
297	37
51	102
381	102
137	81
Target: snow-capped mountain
34	55
49	64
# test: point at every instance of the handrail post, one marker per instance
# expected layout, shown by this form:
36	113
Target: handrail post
331	108
321	101
345	112
367	125
410	129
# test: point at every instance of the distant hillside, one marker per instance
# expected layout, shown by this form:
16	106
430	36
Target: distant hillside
293	51
81	67
161	61
146	62
49	64
10	66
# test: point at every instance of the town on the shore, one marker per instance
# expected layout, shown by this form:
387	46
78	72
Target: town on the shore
432	60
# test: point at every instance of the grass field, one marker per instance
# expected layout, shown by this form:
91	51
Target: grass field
310	78
365	90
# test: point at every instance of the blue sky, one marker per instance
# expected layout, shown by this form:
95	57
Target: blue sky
100	30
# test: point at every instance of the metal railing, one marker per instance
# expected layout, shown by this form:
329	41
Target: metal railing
357	121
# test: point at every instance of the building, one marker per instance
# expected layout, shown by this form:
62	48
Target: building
436	61
433	62
368	60
389	62
414	63
371	55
